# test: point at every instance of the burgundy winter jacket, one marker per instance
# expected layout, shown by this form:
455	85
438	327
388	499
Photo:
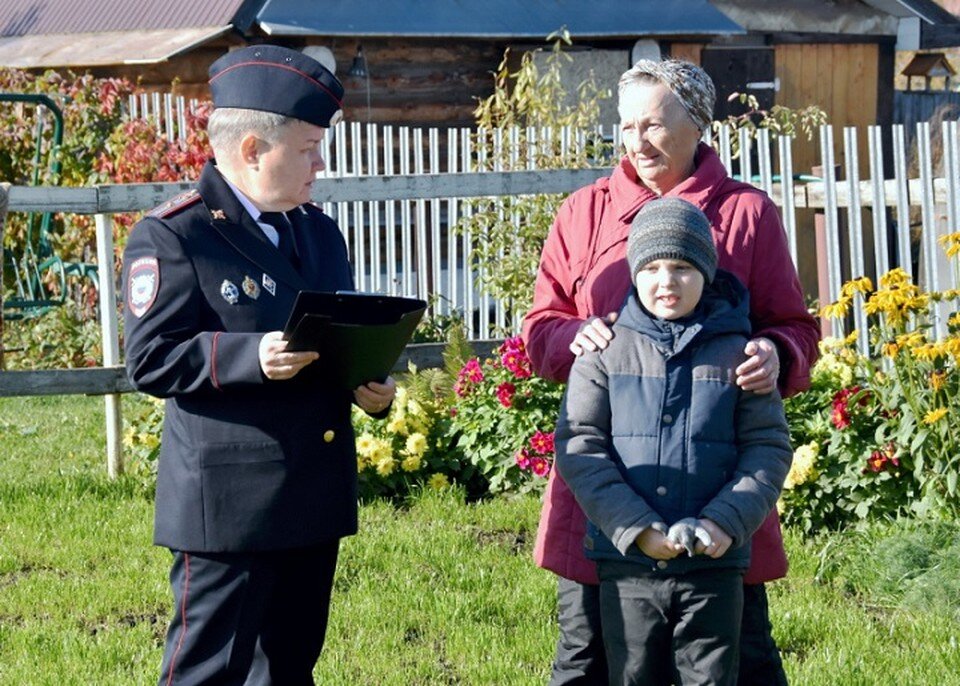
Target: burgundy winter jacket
583	273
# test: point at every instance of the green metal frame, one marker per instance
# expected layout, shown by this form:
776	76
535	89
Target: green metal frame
39	258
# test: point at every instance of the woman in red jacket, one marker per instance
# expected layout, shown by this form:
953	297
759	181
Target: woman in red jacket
583	279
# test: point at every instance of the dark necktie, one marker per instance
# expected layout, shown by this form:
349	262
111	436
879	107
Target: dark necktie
286	245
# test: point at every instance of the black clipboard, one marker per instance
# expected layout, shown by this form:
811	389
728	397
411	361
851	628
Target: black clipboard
359	336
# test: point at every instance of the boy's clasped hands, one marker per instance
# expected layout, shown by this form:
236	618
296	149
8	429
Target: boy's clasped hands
695	536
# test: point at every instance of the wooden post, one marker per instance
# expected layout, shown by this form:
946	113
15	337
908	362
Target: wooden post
111	341
3	216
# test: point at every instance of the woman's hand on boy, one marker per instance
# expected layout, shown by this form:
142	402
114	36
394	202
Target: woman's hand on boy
721	540
594	334
762	368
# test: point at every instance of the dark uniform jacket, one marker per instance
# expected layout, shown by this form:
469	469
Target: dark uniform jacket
654	428
246	464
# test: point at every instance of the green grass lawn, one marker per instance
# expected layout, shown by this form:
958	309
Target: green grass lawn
438	592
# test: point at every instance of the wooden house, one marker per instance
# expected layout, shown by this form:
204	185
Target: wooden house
426	62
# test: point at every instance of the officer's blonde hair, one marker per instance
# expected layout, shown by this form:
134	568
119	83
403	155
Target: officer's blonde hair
228	125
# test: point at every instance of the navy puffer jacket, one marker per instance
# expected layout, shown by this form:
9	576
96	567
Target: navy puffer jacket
654	428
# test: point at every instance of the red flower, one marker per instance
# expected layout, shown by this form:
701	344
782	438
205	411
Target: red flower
505	393
880	460
840	415
542	443
540	466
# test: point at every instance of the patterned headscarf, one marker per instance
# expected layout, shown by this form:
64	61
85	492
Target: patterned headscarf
693	88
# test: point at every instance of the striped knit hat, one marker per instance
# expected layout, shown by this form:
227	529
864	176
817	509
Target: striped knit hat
671	228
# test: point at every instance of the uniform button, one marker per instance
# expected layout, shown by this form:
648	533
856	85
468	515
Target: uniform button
661	490
662	564
667	418
328	436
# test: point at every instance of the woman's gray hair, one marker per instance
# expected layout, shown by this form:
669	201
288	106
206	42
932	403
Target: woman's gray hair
688	82
228	125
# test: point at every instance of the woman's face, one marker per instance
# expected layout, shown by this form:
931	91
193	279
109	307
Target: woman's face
659	136
284	171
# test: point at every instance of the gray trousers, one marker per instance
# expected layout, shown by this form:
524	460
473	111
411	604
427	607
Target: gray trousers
680	629
581	661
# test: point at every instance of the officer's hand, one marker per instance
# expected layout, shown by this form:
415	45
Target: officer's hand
759	373
375	397
276	363
721	540
595	334
654	543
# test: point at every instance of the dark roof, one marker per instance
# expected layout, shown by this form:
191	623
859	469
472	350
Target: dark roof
31	17
929	64
494	18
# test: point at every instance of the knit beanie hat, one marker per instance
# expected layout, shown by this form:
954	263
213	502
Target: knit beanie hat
671	228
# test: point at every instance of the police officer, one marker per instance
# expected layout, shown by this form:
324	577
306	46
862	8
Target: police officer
257	476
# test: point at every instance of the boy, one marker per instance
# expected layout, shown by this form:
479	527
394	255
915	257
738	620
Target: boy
674	465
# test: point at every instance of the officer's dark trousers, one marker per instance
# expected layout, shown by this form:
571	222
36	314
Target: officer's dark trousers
581	661
250	619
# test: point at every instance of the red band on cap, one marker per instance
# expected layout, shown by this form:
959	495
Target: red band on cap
281	66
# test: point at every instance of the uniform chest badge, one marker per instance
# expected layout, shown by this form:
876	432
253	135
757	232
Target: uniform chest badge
270	285
143	283
251	288
229	292
218	214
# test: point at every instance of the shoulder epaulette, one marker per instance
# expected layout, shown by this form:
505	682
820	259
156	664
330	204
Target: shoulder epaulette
175	204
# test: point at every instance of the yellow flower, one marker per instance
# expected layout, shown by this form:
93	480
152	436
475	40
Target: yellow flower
890	350
837	310
438	481
398	425
382	450
911	340
937	380
128	437
950	243
929	352
365	445
934	416
416	444
411	463
414	408
862	285
400	399
149	440
386	465
894	278
803	467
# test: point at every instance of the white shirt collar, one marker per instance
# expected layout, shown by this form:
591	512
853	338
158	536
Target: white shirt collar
269	231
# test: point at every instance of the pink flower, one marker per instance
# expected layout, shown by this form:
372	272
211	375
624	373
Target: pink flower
542	443
453	412
540	466
522	458
505	393
470	373
514	357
